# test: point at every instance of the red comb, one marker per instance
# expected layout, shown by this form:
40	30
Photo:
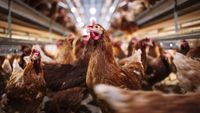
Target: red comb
91	24
35	51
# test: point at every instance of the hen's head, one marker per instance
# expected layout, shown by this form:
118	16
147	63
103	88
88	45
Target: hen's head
134	41
147	42
35	55
184	46
95	32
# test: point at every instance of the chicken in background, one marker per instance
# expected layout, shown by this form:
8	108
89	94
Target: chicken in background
125	101
67	101
3	77
26	87
67	83
184	47
156	65
132	46
117	50
63	76
6	65
103	68
194	53
64	53
187	72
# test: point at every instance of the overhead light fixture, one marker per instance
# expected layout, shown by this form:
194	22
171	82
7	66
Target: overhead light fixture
112	9
171	45
73	9
92	10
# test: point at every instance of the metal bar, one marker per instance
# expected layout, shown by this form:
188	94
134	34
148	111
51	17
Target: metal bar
6	41
175	16
179	36
9	19
26	13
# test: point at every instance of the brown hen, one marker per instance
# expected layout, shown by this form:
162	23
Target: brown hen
124	101
26	87
102	67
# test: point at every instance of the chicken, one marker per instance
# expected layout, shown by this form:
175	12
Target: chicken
6	65
26	51
66	101
3	77
125	101
64	54
187	72
103	68
26	87
194	53
67	83
63	76
184	47
131	46
155	63
117	50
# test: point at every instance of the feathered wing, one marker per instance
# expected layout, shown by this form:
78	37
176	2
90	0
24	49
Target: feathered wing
6	66
17	73
188	72
126	101
133	68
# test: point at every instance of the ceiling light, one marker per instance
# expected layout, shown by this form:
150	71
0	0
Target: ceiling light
92	10
171	45
73	9
112	9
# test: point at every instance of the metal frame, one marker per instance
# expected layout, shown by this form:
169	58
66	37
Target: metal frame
161	8
23	11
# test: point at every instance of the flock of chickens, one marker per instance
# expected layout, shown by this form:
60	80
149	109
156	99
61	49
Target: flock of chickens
91	74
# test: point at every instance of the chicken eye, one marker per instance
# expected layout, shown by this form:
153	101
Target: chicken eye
96	26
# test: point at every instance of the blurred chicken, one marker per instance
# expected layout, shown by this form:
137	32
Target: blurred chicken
117	50
187	72
132	46
103	68
26	87
66	101
63	76
3	76
125	101
156	65
6	65
67	82
64	54
194	53
184	47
